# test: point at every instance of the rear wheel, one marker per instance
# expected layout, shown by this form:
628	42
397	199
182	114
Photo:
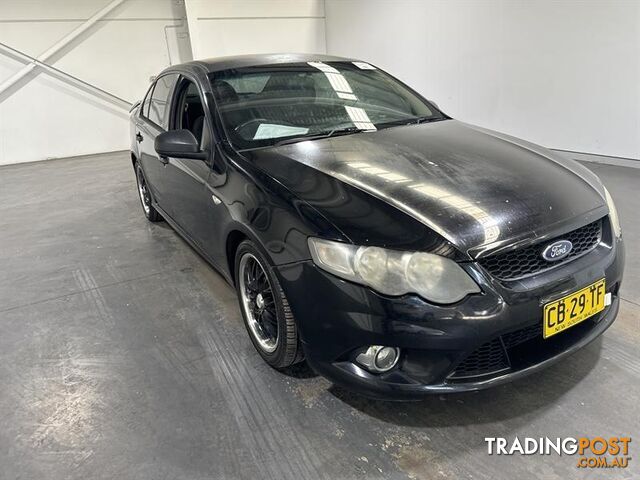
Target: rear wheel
145	196
265	309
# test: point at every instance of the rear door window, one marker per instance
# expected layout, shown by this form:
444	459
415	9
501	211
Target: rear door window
144	109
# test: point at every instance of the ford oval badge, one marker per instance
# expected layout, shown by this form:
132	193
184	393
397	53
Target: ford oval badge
557	250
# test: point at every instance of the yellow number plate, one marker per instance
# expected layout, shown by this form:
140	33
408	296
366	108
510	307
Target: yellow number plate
572	309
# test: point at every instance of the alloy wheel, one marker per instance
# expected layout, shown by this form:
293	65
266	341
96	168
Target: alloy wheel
258	303
143	191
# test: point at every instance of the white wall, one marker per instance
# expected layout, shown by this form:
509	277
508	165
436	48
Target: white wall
562	74
44	117
234	27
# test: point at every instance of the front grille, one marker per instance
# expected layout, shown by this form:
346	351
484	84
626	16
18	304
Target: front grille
512	339
489	358
518	349
528	261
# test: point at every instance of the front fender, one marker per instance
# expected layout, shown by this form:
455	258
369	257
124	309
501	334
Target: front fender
261	209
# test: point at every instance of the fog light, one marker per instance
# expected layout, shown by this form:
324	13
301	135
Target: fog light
378	358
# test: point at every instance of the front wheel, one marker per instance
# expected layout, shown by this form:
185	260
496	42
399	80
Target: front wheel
265	309
145	196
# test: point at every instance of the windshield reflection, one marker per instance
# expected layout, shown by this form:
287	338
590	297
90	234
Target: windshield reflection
264	105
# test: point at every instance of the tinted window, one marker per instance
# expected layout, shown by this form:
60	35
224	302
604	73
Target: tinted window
191	113
160	99
263	105
144	109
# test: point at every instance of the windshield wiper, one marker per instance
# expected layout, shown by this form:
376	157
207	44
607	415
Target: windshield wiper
426	119
331	133
409	121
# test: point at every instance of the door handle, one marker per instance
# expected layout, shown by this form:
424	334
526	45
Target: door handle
139	137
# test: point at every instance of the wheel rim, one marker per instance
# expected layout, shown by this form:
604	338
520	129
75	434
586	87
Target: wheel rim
258	303
143	192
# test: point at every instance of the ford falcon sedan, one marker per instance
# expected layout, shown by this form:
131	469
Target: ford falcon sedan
399	251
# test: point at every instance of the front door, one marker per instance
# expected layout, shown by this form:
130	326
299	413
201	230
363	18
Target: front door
185	179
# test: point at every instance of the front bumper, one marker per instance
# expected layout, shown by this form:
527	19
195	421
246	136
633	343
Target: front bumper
336	317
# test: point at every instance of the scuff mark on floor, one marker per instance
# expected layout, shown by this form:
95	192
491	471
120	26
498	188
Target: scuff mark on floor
311	390
413	457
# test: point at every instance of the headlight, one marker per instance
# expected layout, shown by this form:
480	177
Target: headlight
435	278
613	214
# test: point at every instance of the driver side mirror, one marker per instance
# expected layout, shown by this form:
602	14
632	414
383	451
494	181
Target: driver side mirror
179	144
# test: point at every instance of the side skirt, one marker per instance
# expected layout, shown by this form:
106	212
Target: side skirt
185	236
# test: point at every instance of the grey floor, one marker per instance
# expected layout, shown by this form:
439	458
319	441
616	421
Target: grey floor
123	355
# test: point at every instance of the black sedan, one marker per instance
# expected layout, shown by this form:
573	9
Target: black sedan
400	251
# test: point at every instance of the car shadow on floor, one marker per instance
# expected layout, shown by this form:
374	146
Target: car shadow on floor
536	392
299	370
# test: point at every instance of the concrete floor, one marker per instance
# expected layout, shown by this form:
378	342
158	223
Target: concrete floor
123	355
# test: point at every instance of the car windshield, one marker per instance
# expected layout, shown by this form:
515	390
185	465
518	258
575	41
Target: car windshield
274	104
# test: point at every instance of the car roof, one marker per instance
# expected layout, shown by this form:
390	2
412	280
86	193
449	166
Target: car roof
238	61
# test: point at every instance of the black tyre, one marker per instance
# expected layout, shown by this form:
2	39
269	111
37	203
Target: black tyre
265	309
145	196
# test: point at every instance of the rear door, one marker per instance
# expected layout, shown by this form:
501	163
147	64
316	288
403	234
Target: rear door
152	121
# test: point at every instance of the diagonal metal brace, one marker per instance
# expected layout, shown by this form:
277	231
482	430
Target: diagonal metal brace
56	47
70	78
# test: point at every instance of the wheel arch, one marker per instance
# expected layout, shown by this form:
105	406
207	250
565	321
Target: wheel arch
238	233
234	238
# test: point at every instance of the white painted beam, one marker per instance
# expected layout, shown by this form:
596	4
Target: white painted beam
59	45
68	77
